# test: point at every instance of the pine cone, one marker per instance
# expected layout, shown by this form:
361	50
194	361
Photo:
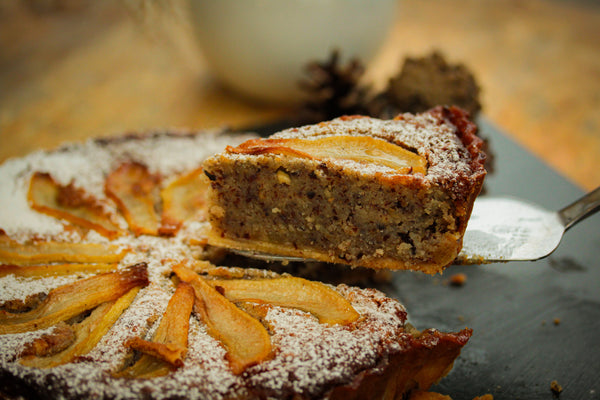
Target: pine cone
334	90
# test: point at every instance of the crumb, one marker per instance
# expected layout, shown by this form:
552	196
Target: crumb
556	321
555	387
458	279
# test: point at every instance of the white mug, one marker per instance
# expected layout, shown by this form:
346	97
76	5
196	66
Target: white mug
260	48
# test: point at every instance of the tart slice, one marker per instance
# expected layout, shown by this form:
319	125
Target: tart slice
391	194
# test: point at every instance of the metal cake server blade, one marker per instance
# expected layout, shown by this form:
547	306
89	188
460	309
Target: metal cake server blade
505	229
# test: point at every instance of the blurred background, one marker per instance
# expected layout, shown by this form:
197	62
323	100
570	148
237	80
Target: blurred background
71	70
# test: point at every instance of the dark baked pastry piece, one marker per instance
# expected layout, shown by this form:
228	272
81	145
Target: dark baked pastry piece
391	194
426	82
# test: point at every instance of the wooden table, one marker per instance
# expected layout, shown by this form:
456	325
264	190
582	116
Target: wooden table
70	71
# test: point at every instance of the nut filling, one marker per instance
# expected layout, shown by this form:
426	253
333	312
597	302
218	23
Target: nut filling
349	191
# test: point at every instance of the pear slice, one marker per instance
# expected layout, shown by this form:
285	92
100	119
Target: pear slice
134	189
246	340
38	271
71	204
73	299
87	332
363	149
169	344
33	253
314	297
183	199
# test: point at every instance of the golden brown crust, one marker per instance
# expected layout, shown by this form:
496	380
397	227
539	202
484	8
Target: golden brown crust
427	358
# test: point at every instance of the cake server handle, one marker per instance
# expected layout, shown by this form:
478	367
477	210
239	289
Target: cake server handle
580	209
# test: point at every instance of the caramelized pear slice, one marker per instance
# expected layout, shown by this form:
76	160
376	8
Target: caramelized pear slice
364	149
134	189
169	344
12	252
71	204
73	299
183	199
314	297
87	332
246	340
38	271
145	368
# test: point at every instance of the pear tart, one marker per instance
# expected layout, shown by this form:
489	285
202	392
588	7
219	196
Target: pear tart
105	293
394	194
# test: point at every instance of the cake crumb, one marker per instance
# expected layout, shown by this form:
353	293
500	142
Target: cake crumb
555	387
556	321
458	279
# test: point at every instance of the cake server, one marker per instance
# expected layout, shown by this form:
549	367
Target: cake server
507	229
503	229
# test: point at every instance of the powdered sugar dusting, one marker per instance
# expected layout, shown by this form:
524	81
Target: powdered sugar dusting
312	357
308	358
12	344
149	305
18	288
17	219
